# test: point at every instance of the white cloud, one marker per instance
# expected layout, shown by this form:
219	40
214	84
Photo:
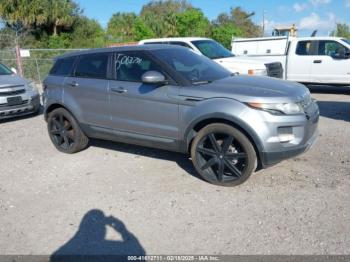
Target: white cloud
347	3
300	7
315	22
319	2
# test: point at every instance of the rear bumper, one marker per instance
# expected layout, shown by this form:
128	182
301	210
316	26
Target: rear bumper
30	107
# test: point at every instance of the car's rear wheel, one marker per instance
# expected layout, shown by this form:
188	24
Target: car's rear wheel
223	155
65	133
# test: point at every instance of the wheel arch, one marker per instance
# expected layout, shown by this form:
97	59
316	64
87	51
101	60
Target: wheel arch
54	106
200	123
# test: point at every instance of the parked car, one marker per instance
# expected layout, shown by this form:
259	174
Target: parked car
169	97
309	60
218	53
17	95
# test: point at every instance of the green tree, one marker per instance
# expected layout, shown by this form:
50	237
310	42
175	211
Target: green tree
342	30
23	14
62	40
121	27
161	16
238	22
242	20
192	22
141	30
62	14
223	33
87	33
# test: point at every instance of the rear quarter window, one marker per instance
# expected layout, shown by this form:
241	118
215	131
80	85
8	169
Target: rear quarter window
92	66
63	67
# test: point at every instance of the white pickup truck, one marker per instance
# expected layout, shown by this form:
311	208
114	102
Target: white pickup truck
218	53
309	60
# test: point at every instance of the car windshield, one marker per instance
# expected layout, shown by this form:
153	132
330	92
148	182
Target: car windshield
346	41
212	49
4	70
195	68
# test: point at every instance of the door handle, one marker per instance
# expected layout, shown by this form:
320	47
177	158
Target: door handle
74	84
119	90
317	61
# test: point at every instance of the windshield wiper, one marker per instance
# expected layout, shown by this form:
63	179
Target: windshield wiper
202	82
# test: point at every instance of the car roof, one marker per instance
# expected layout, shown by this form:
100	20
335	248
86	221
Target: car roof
319	38
184	39
119	49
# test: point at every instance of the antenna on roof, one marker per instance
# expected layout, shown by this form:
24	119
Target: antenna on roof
314	33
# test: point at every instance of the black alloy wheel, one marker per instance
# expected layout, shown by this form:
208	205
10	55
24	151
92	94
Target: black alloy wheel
65	132
62	131
223	155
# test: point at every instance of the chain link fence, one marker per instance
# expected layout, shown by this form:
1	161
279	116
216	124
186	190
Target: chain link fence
34	64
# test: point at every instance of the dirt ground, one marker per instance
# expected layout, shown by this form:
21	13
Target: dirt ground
121	199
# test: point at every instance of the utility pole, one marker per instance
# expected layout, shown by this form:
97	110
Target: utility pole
263	23
18	56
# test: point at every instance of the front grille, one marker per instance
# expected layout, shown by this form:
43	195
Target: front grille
12	93
19	104
274	70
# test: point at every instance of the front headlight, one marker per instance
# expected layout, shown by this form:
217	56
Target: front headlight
257	72
280	108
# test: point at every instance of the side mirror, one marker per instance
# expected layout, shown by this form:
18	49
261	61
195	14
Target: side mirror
14	70
153	77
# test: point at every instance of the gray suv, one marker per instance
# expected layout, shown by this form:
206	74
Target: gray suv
168	97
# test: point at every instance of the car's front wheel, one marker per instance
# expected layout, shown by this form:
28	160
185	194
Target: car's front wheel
223	155
65	133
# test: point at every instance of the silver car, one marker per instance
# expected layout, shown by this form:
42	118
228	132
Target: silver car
171	98
17	96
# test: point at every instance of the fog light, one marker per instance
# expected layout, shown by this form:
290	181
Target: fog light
285	134
284	138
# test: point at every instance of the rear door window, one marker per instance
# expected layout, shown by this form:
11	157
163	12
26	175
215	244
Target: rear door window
63	67
92	66
304	48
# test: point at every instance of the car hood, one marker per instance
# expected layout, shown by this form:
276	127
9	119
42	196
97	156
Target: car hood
7	81
249	89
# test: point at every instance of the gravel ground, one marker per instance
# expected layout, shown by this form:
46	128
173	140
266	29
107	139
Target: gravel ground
116	198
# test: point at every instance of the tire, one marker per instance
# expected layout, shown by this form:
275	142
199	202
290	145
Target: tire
65	133
223	155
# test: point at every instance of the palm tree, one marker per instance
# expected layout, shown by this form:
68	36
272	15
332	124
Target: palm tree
23	13
62	14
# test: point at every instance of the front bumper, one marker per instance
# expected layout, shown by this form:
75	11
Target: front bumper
305	135
272	158
30	105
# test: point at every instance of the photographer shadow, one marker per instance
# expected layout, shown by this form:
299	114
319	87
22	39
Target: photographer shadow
89	243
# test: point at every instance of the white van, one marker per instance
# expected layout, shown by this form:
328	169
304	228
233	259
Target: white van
218	53
309	60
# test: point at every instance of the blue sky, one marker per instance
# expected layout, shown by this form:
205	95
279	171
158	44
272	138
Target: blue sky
307	15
